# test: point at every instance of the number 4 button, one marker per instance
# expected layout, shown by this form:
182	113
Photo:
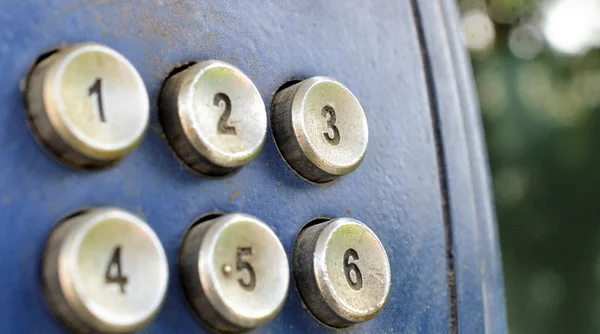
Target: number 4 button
115	264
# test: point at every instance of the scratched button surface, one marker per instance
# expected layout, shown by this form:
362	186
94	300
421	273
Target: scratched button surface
214	117
234	272
104	270
342	271
320	128
87	105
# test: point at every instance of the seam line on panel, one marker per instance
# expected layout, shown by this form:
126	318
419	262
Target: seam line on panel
441	165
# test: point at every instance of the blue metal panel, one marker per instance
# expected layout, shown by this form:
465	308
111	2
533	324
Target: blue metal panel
372	47
480	302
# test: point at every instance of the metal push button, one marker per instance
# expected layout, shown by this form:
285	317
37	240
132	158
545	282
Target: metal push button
342	271
104	270
213	117
87	105
234	272
320	128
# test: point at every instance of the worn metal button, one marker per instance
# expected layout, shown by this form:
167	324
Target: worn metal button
104	270
320	128
342	271
234	272
87	105
214	117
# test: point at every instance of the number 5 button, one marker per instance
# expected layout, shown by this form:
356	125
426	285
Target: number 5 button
320	128
104	270
213	117
87	105
234	272
342	271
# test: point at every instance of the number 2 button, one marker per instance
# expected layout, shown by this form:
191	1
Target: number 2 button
234	272
104	270
213	117
88	105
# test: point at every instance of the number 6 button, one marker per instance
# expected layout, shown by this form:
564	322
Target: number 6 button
213	117
234	272
104	270
342	271
320	128
87	105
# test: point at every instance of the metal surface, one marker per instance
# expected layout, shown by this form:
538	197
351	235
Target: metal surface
342	271
320	128
104	270
214	117
372	47
234	272
87	105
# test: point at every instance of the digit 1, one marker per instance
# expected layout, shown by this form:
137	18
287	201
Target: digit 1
96	88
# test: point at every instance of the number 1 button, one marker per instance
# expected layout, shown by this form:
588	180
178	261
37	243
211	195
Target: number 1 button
320	128
213	117
87	105
234	272
342	271
104	271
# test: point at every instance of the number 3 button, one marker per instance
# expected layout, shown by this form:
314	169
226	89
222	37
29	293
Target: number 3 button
104	270
213	117
87	105
342	271
320	128
234	272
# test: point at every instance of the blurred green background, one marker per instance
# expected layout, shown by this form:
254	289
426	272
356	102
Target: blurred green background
537	70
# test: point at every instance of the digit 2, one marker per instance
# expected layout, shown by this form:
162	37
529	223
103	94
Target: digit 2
223	127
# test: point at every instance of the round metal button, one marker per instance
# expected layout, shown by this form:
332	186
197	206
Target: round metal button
214	117
320	128
342	271
87	105
104	270
234	272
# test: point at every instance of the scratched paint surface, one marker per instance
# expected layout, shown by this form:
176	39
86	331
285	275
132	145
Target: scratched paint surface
369	46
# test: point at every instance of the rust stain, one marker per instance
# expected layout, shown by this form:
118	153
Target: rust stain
234	195
348	211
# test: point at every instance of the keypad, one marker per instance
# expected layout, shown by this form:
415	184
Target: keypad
105	270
